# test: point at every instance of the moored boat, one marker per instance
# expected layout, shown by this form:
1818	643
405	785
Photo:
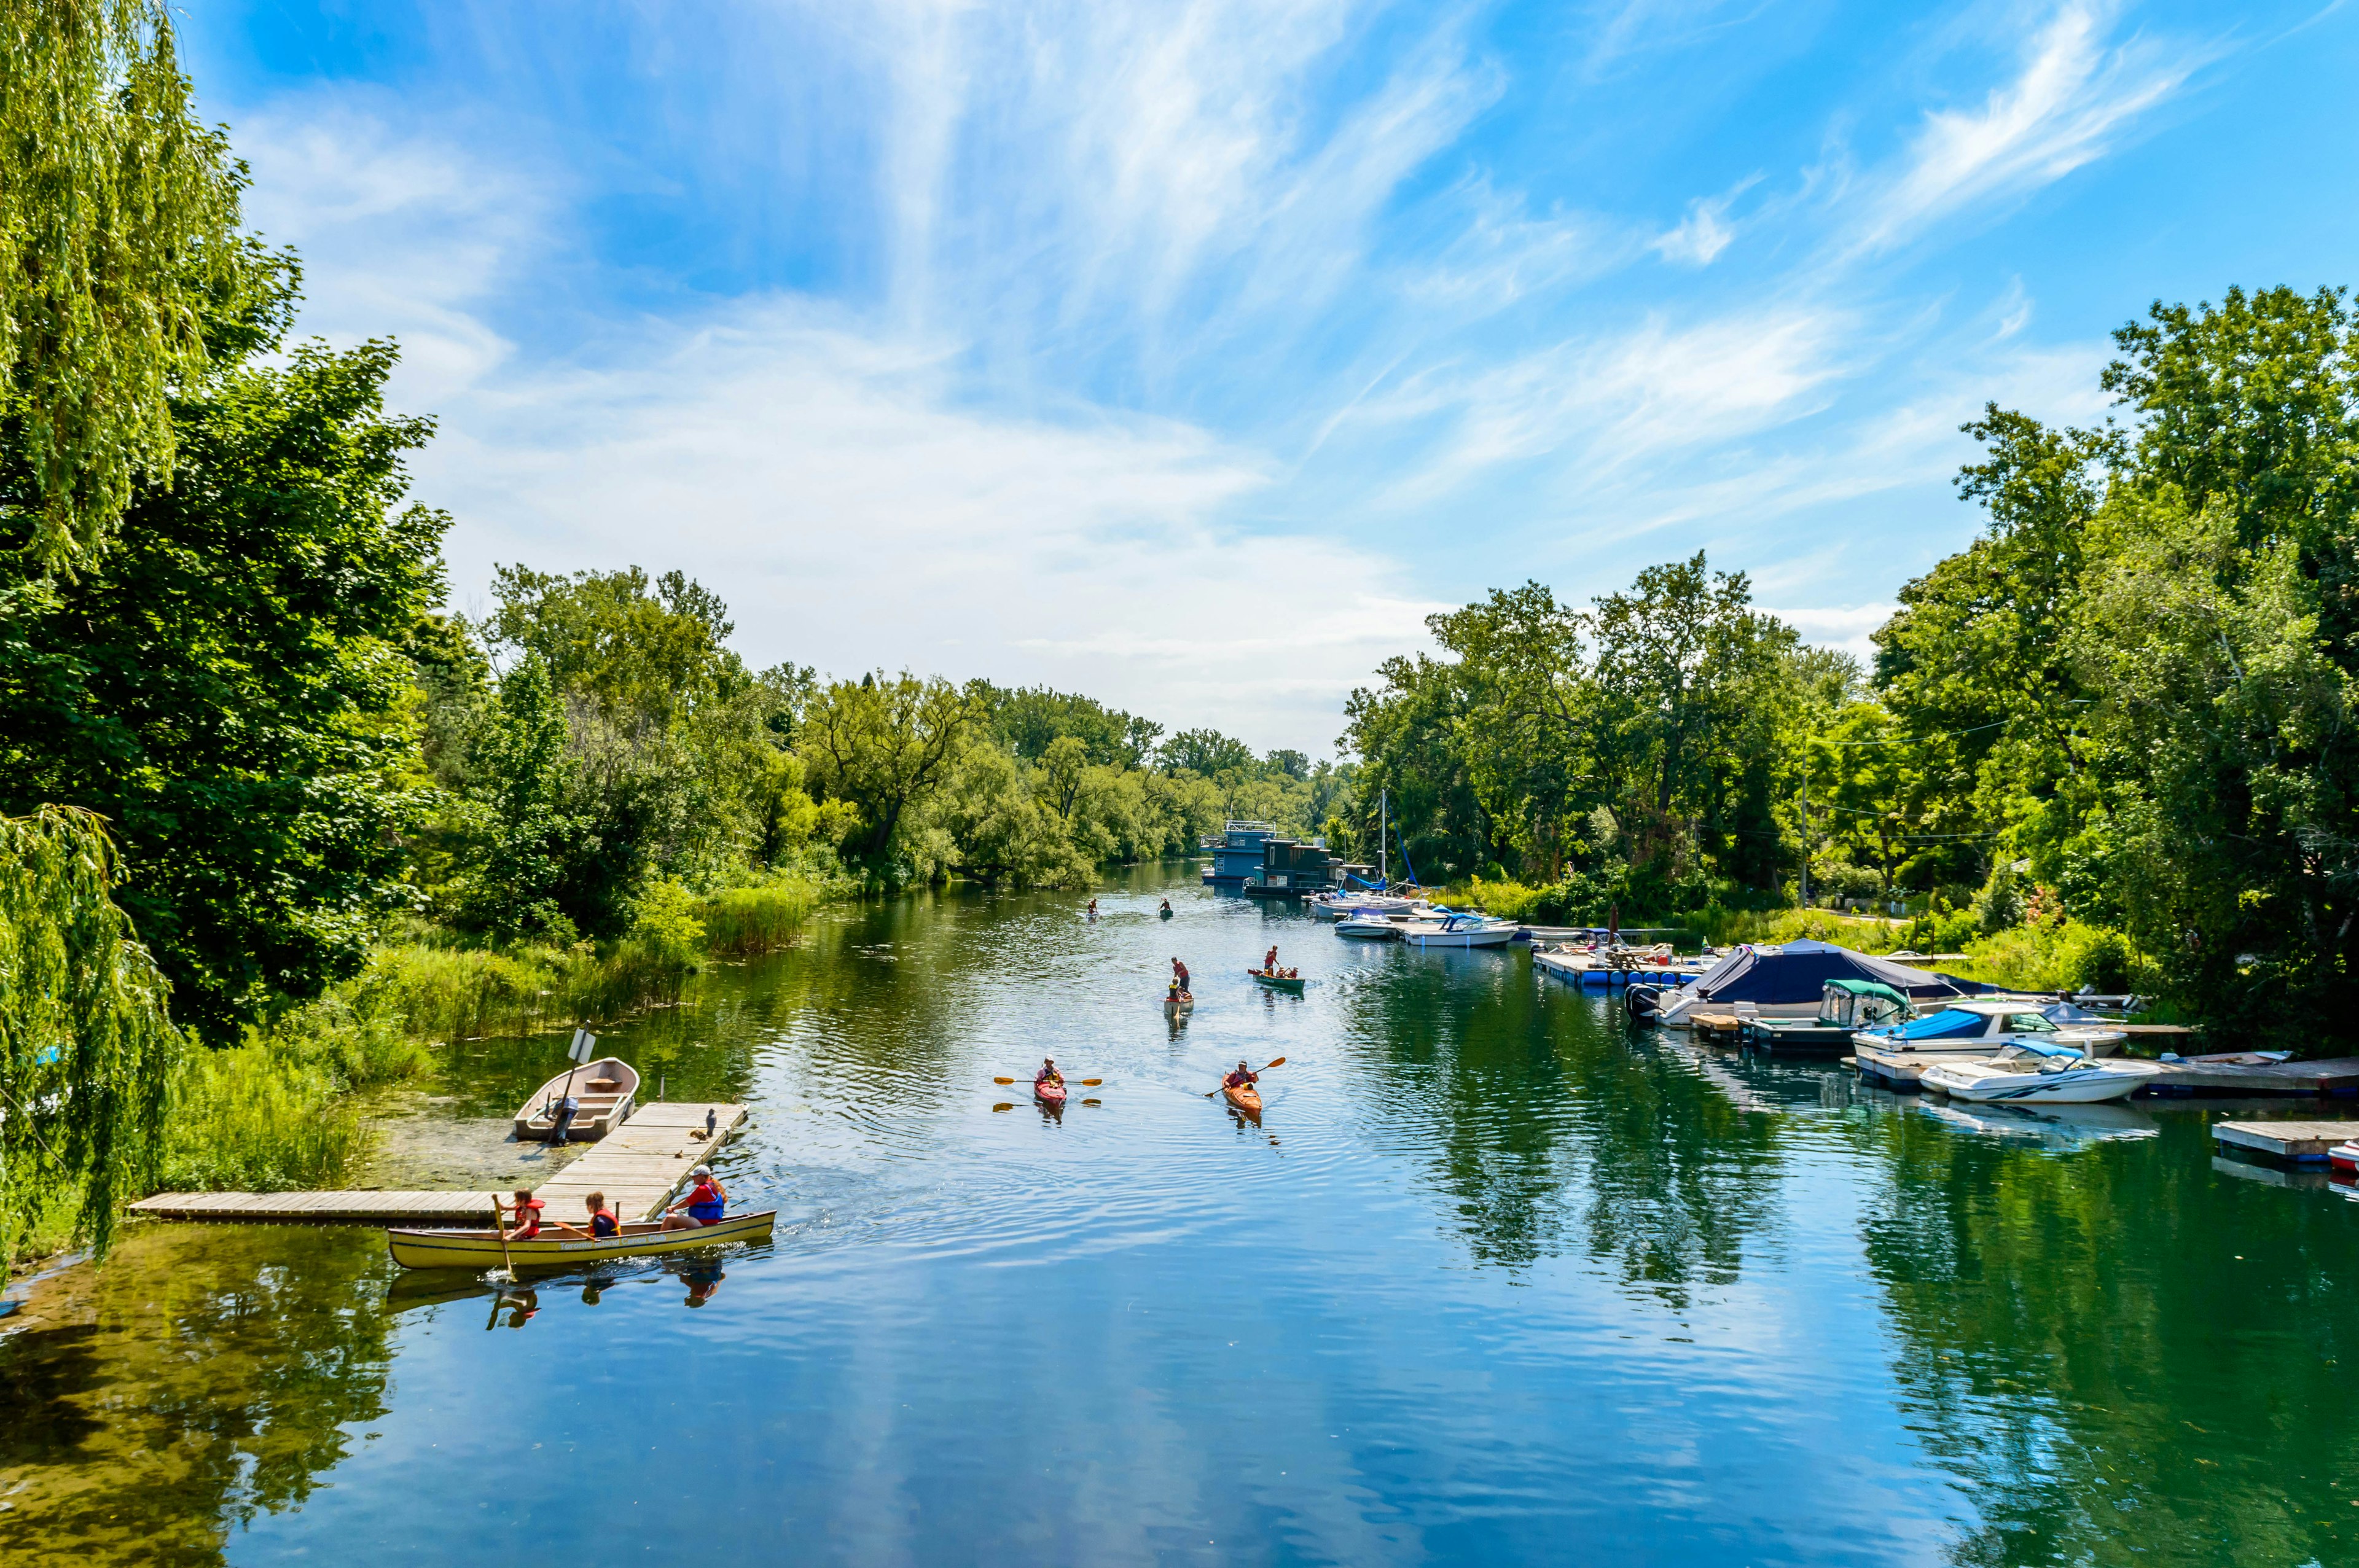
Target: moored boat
2344	1157
1453	929
2028	1073
604	1088
483	1249
1371	927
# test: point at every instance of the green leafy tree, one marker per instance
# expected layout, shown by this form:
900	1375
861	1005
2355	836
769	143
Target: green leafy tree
227	684
118	243
885	744
87	1045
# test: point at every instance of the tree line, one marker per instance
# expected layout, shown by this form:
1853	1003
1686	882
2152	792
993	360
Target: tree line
2126	704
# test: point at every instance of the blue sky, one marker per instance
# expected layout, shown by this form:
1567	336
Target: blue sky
1188	354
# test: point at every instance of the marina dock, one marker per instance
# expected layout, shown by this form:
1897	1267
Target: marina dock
2296	1142
638	1166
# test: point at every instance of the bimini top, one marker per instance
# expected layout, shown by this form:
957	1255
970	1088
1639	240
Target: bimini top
1866	988
1799	971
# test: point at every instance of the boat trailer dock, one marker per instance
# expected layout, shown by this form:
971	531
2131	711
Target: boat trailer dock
638	1166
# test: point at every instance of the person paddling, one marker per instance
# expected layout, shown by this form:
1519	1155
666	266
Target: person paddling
1166	908
705	1203
1179	976
602	1221
1241	1079
528	1214
1049	1074
1269	961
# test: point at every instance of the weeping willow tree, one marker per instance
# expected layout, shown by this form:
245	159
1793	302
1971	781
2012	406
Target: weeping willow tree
118	226
87	1049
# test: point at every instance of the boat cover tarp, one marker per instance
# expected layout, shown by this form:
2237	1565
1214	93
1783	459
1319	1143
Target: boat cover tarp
1800	972
1952	1023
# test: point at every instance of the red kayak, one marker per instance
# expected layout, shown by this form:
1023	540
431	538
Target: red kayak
1049	1094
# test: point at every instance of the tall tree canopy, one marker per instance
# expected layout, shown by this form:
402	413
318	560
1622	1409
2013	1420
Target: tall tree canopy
118	241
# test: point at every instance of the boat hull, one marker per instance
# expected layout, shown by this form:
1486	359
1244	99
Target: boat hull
1049	1094
1483	937
1275	983
1247	1101
481	1249
1978	1085
601	1111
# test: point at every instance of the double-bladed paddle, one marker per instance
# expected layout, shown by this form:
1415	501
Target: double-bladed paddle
1085	1082
1279	1062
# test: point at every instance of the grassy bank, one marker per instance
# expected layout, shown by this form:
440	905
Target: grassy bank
284	1108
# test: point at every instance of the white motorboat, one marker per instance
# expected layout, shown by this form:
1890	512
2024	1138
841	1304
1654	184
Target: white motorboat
1371	927
1342	905
1980	1026
1455	930
2029	1072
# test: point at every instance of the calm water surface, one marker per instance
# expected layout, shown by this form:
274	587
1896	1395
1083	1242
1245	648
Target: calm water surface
1496	1279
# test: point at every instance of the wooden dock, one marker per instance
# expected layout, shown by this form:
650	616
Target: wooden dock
643	1162
2296	1142
322	1208
2336	1076
638	1166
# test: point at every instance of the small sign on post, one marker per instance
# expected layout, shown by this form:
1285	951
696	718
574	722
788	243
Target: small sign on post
583	1042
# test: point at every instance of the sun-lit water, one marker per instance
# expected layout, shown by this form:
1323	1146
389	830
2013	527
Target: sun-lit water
1496	1280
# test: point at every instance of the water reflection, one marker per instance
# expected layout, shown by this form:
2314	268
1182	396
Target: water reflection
204	1376
2120	1355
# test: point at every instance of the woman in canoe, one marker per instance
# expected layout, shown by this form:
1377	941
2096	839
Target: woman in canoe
705	1203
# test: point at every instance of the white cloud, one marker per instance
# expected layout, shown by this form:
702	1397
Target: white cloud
1706	231
2071	100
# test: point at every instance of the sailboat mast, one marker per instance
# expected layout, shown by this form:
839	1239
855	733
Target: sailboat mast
1384	839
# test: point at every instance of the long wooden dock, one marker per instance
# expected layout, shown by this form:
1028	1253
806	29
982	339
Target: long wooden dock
638	1166
322	1208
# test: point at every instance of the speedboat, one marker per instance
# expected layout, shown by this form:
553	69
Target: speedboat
1371	927
1978	1026
1455	930
1342	905
2030	1073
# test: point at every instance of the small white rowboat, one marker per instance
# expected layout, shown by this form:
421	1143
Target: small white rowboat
603	1087
481	1249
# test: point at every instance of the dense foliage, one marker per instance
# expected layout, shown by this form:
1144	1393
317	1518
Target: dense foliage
2125	709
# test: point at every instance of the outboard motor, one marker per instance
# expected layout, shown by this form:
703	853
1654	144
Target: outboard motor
1642	1002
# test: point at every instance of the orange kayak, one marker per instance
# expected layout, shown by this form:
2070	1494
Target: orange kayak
1246	1097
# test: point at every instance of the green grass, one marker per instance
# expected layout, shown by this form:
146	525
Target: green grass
739	922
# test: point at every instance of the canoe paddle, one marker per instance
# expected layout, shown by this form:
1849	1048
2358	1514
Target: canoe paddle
1085	1082
1279	1062
500	1226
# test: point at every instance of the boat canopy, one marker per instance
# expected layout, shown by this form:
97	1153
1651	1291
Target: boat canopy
1800	972
1866	988
1950	1023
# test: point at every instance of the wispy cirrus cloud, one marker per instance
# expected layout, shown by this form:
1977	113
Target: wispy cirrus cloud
2076	95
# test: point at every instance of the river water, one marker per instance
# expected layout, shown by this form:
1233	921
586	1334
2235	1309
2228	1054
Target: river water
1496	1278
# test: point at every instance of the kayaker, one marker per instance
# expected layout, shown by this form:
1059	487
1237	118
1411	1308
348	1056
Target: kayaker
527	1212
1049	1074
1165	910
1240	1078
705	1203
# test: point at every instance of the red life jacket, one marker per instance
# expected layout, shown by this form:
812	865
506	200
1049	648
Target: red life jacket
705	1203
528	1215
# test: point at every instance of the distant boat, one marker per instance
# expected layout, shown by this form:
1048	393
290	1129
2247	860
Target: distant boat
1278	982
1454	930
1371	927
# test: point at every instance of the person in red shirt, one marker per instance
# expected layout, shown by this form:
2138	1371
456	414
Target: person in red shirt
705	1203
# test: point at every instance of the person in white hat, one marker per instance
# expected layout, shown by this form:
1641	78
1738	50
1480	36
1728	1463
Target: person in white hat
704	1203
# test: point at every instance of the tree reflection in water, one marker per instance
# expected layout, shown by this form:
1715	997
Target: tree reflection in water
1554	1133
205	1375
2122	1355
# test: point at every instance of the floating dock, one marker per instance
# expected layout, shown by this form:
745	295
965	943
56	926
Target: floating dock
1584	969
2296	1142
638	1166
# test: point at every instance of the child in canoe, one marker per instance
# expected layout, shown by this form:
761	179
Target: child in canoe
528	1214
603	1222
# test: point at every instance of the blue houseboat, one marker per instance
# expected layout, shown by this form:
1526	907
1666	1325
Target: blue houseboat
1256	859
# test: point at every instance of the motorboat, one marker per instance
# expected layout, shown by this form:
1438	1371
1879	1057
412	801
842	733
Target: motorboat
1790	982
1343	905
1846	1007
1371	927
2029	1072
1978	1026
1451	929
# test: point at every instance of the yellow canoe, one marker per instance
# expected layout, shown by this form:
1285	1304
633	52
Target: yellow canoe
481	1249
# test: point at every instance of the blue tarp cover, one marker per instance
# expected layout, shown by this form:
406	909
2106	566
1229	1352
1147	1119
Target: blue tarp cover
1950	1024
